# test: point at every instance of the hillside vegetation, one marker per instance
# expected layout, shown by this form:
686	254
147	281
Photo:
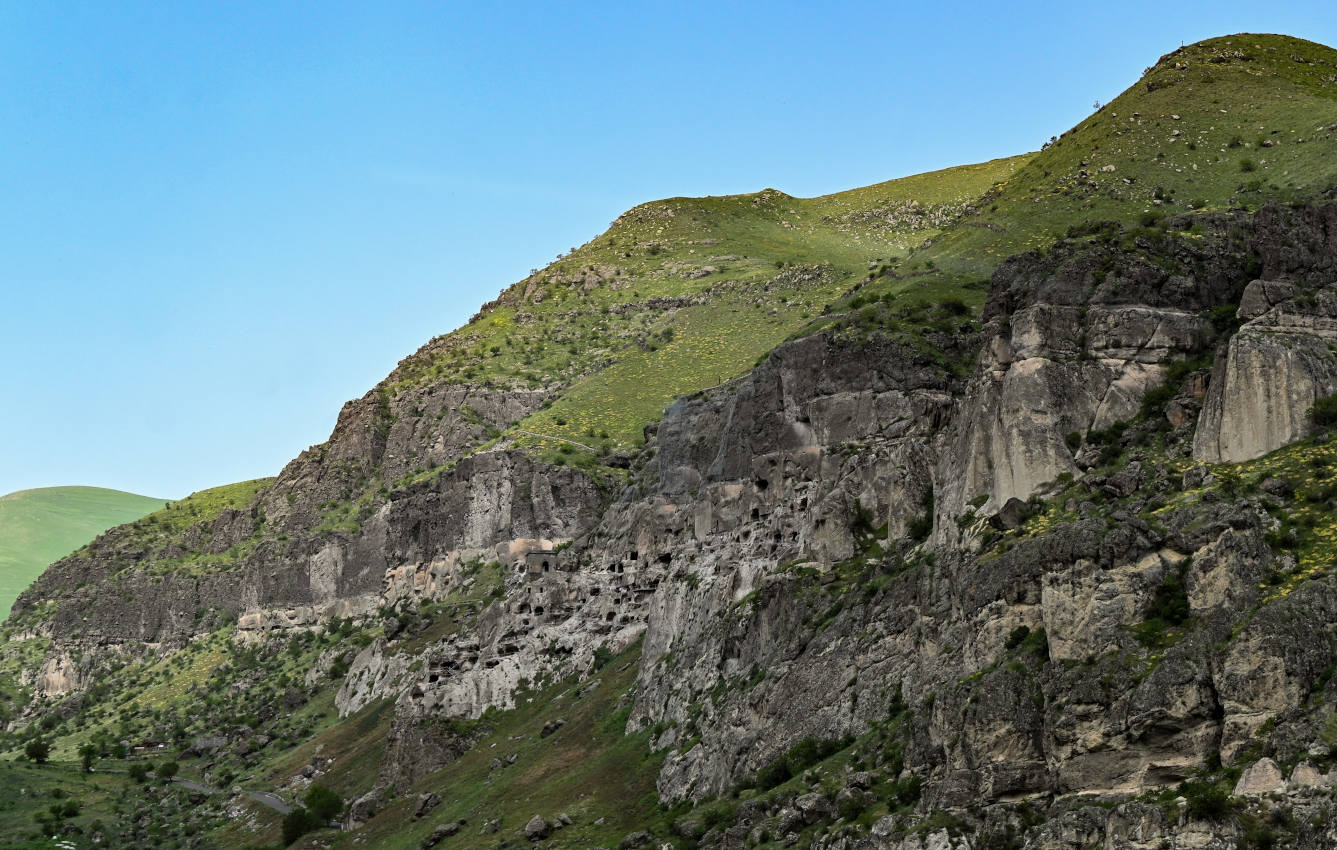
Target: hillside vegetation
686	293
1226	123
40	526
776	633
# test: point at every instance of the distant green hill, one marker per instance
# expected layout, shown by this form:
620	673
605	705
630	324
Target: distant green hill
44	525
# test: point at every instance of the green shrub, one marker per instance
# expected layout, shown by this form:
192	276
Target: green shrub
797	759
907	791
1019	634
1206	801
1169	608
1324	412
323	803
297	823
921	526
1224	318
37	751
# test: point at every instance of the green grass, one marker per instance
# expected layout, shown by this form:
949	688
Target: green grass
1308	524
40	526
161	530
683	294
1174	141
589	769
27	790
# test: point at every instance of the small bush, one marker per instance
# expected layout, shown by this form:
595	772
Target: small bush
907	791
323	803
921	526
798	758
37	751
1324	412
1247	165
297	823
955	307
1206	801
1019	634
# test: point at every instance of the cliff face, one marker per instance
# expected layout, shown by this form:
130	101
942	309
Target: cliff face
1001	535
1072	343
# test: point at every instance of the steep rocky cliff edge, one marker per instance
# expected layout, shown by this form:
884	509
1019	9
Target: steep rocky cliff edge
988	508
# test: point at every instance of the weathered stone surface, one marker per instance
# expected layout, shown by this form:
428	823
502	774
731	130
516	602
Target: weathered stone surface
364	808
1262	295
441	833
537	829
425	804
1262	390
1260	778
769	546
1305	775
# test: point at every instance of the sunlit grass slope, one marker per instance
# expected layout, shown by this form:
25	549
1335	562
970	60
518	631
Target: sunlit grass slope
44	525
1230	122
684	293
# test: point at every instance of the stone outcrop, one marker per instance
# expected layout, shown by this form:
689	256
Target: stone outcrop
849	532
1266	381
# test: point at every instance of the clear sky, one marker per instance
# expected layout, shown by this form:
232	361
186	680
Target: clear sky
219	221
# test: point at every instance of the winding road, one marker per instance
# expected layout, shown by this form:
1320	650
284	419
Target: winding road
264	798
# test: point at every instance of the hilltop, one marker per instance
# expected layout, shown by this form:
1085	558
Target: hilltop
40	526
1227	123
685	293
987	508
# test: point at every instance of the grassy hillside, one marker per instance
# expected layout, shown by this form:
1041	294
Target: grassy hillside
1230	122
685	293
44	525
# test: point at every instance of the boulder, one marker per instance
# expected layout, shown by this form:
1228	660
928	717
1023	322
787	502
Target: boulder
814	807
1306	775
551	726
364	808
439	834
537	829
1259	779
426	802
1262	295
1012	515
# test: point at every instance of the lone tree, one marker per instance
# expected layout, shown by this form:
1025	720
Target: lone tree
324	803
37	751
167	770
87	754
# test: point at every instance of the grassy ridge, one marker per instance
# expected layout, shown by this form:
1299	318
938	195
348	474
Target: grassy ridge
159	533
681	294
44	525
1230	122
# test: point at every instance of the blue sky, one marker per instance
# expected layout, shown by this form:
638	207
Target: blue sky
218	222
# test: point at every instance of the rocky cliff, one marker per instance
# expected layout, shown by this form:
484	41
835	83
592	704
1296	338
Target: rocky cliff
1053	574
1022	560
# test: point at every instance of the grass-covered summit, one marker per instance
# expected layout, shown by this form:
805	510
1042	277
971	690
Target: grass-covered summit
1230	122
685	293
681	294
43	525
